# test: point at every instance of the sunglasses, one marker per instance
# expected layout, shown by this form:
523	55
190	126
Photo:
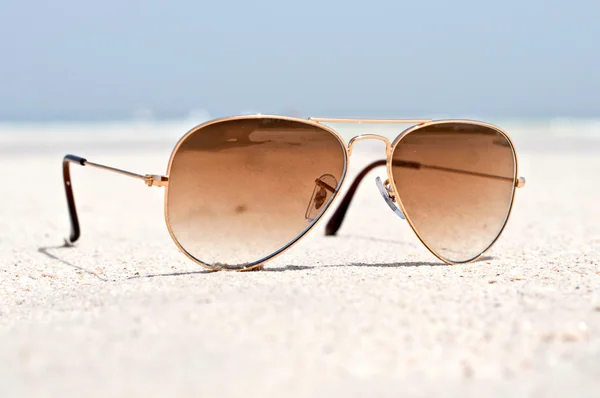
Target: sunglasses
241	190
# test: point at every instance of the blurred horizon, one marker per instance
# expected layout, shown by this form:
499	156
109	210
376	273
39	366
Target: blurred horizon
149	115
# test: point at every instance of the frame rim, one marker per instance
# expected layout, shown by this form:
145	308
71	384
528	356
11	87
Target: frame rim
418	127
258	264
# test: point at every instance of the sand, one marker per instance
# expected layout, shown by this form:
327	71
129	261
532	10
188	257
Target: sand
368	313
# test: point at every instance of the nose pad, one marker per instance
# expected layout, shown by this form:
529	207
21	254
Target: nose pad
324	189
388	196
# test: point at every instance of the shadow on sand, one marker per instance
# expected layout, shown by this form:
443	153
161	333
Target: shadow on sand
45	251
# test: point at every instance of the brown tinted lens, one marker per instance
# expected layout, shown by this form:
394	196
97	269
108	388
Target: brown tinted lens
243	189
456	182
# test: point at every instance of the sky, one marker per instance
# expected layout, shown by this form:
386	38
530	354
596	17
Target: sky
73	59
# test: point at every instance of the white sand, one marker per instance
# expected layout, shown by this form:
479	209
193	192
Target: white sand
369	313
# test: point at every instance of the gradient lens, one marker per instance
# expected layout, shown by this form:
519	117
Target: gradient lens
456	183
241	190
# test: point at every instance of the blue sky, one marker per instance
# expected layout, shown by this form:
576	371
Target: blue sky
76	59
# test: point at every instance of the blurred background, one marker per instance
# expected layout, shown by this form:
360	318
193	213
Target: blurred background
154	69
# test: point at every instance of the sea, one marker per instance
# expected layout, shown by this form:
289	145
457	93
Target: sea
554	133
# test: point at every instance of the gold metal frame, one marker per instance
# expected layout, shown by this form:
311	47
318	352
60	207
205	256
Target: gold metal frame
416	124
259	263
518	182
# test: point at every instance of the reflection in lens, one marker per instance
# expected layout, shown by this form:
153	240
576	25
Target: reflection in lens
456	183
242	189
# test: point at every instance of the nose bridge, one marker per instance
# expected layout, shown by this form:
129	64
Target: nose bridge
388	144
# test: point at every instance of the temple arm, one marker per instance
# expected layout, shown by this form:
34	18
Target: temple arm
149	179
335	221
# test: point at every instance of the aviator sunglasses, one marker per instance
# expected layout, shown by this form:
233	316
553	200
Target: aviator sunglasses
241	190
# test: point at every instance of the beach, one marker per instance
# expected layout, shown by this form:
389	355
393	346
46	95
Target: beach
370	312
